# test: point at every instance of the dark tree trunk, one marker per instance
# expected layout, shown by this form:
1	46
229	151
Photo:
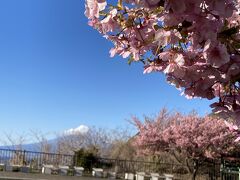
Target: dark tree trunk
195	169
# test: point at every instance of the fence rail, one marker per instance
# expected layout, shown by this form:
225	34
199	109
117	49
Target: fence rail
230	169
208	170
37	159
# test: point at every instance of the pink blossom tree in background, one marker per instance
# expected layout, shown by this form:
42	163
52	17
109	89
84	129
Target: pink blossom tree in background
189	138
195	43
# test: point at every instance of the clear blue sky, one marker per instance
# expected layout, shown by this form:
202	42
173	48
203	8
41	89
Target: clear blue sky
56	73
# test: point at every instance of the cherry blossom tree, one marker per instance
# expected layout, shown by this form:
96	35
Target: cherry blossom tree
189	136
195	43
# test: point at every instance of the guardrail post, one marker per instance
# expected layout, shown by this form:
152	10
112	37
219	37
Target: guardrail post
23	159
238	173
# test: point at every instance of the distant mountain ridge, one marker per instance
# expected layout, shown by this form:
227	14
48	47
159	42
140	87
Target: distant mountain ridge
35	147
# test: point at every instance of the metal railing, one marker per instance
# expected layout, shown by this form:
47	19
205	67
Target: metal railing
208	170
35	159
230	170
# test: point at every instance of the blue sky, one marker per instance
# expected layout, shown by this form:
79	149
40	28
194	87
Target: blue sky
56	73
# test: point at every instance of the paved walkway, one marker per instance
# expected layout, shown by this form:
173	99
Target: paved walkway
32	176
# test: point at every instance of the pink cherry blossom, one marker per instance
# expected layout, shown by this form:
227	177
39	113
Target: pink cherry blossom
93	7
108	23
177	6
216	55
195	43
195	138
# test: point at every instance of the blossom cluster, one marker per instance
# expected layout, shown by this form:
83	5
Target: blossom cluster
195	43
187	134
